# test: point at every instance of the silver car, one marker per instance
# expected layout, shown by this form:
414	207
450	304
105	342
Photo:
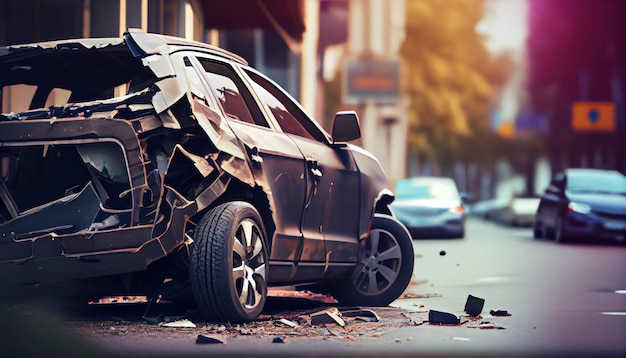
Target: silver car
430	207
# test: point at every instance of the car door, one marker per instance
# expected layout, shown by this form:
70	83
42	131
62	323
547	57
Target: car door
330	220
276	161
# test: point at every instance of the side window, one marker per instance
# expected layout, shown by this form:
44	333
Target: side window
290	118
237	103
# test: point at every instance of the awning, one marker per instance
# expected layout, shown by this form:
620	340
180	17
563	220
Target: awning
284	16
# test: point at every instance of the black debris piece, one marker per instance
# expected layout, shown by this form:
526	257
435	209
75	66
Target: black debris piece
439	317
278	340
202	339
474	305
499	313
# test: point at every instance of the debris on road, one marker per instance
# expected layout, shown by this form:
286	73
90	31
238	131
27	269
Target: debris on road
500	313
304	294
328	316
278	340
474	305
202	339
439	317
183	323
485	325
361	314
288	323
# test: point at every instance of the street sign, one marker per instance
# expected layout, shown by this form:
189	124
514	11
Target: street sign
593	116
371	80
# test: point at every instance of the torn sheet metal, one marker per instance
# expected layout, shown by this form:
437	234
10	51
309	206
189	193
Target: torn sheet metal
160	65
70	214
170	92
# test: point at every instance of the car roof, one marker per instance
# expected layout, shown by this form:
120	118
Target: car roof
591	171
147	42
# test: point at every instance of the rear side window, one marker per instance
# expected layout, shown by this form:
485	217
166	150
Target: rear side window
233	96
290	118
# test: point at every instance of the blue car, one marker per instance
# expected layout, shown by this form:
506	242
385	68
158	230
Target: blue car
583	204
430	207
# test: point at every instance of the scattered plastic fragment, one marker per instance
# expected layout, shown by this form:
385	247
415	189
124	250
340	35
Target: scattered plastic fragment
474	305
500	313
278	340
438	317
364	314
287	322
202	339
328	316
183	323
485	325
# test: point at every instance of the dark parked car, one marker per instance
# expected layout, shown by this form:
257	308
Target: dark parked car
143	164
430	207
587	204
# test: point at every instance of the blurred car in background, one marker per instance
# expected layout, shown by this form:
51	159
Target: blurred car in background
487	209
583	204
518	211
430	207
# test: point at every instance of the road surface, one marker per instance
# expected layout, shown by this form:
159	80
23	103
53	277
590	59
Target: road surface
563	299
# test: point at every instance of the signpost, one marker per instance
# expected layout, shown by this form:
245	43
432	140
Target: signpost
593	117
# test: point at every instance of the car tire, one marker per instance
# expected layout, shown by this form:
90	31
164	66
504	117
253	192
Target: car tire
559	231
537	231
228	264
385	267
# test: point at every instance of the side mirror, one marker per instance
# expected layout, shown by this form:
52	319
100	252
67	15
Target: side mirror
346	127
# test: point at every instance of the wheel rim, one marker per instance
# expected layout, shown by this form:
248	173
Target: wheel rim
380	265
249	269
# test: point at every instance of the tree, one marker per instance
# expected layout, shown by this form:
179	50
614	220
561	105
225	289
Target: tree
451	79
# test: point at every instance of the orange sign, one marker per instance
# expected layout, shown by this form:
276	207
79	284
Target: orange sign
593	116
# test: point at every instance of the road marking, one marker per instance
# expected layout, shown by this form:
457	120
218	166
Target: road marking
461	339
614	313
621	292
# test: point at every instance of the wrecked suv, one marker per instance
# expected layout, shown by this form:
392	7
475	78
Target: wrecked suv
148	164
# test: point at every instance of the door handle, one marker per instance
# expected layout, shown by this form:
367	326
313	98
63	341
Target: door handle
254	155
314	168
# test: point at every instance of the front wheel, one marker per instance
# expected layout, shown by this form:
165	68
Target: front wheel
385	267
560	235
228	265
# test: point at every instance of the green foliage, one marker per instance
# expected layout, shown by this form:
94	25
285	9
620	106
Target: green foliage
451	79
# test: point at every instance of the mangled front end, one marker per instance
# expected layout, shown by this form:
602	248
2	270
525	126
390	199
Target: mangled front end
109	186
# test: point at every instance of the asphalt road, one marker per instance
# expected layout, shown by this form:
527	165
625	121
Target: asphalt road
563	299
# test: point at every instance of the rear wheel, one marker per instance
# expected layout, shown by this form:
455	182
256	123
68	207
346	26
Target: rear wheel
228	269
385	267
537	230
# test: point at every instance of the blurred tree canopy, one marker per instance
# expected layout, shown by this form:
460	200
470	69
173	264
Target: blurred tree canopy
451	79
